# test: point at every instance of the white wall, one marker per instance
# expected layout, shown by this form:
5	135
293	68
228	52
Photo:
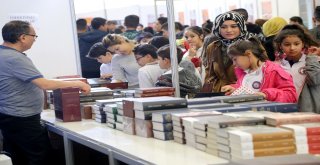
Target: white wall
54	52
288	8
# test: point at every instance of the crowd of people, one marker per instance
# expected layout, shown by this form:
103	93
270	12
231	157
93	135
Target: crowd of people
271	58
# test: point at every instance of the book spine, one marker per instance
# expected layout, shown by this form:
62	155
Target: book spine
275	151
272	136
313	139
313	131
297	120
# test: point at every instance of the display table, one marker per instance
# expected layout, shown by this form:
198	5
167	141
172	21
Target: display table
117	145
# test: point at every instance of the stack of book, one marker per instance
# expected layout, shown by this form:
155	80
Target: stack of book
111	114
98	108
274	107
257	141
179	130
119	122
67	104
162	123
98	82
144	107
154	92
128	116
223	122
99	93
307	137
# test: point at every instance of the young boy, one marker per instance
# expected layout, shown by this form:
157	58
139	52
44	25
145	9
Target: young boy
189	82
102	55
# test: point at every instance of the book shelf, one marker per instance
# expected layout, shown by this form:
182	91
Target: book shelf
117	145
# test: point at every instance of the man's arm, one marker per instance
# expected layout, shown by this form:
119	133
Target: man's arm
55	84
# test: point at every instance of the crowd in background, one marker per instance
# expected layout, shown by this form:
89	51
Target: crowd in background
273	58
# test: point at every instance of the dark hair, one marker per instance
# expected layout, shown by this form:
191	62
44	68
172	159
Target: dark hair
207	27
253	28
295	30
12	30
131	21
111	22
316	13
253	44
164	52
97	22
97	50
197	30
243	12
143	35
159	41
177	26
140	25
148	29
81	24
260	22
297	19
145	49
162	20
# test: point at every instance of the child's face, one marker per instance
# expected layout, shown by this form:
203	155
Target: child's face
105	59
193	39
292	46
164	63
242	62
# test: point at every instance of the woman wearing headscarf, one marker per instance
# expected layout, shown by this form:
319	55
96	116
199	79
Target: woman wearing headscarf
270	29
228	27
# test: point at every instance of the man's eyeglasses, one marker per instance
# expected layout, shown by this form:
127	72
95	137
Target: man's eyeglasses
33	35
139	58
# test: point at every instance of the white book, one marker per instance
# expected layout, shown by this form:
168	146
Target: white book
178	128
224	155
201	147
191	143
179	140
301	140
120	112
223	140
212	151
167	127
178	134
163	135
223	148
201	133
119	118
119	126
302	149
201	140
212	145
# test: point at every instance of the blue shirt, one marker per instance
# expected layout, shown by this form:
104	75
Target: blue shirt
18	95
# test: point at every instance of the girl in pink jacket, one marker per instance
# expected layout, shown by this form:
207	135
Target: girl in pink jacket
259	75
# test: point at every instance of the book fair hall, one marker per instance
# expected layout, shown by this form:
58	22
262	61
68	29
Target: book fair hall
164	82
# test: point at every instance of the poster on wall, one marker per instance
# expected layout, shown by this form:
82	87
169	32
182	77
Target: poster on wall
250	6
193	18
205	15
266	9
181	17
32	18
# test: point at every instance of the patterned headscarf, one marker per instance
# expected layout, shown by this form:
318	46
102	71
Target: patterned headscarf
236	17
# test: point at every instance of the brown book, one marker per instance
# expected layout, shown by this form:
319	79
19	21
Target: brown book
86	111
128	108
129	125
250	154
292	118
263	144
154	90
67	104
117	85
259	133
170	93
143	128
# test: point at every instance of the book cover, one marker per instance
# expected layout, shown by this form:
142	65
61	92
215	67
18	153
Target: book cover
250	154
292	118
143	128
165	116
116	85
102	103
129	125
275	107
86	111
156	103
153	90
263	144
111	108
162	135
154	94
224	121
304	129
165	127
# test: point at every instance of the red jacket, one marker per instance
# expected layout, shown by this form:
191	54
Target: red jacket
277	84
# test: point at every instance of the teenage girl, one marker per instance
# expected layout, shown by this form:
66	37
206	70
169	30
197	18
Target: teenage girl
293	43
256	72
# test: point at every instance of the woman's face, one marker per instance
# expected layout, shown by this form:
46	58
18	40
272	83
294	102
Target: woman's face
193	39
241	61
124	48
229	30
292	46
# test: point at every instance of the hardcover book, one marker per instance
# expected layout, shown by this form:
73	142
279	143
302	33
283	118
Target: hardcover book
165	116
153	90
165	127
102	103
156	103
153	94
116	85
224	121
67	104
275	107
163	135
210	106
111	108
292	118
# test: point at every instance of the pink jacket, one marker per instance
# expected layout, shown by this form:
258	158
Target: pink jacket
277	84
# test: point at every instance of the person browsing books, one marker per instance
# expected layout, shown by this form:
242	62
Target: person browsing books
22	96
104	56
257	74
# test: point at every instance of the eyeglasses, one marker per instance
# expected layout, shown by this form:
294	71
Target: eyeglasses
33	35
139	58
